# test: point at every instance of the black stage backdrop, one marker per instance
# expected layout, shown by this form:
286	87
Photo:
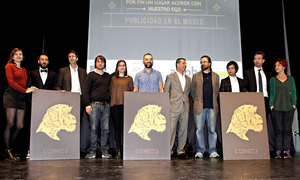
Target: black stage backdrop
57	27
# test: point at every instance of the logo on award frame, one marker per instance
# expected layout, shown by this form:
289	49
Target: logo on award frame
244	119
57	118
148	118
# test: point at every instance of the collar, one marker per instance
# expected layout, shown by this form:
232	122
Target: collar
72	68
233	78
146	71
42	69
256	69
99	73
180	74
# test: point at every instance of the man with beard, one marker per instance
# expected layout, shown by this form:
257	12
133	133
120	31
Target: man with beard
42	78
205	91
148	80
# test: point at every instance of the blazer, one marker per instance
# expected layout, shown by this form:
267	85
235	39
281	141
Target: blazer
250	81
34	79
176	94
64	78
226	85
197	91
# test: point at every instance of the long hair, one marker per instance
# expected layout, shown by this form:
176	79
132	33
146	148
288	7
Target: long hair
117	72
12	53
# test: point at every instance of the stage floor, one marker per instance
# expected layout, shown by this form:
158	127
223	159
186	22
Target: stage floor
174	169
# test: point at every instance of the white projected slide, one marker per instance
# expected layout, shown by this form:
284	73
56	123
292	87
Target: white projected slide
168	29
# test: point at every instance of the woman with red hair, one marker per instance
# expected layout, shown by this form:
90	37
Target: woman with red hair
283	101
13	98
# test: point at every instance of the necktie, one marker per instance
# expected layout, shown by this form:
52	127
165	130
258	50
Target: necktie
44	70
260	86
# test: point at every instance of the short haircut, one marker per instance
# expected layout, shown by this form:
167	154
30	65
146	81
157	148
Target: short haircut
74	52
236	66
283	62
102	58
178	61
146	55
260	52
209	60
43	54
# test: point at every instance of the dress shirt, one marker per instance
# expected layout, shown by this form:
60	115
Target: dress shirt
181	79
264	81
235	87
43	75
75	84
147	82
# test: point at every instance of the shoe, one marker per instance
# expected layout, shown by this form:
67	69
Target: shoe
91	155
198	155
214	155
118	155
106	156
10	156
28	155
181	156
278	154
287	154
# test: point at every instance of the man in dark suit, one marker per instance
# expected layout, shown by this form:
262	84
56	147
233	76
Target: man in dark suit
42	78
254	83
256	79
178	85
71	78
232	83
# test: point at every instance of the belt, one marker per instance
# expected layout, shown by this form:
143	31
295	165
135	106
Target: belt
100	102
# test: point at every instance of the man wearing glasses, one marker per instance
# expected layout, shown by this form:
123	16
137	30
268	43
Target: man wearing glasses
205	91
148	80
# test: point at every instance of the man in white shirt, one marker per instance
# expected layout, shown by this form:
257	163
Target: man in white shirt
71	78
178	87
232	83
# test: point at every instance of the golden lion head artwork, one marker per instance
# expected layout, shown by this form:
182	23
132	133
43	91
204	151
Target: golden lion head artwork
244	119
148	118
57	117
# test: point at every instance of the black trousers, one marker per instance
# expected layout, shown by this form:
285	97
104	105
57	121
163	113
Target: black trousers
282	122
117	115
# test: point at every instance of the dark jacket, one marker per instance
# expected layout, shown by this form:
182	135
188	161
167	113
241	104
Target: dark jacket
226	85
64	78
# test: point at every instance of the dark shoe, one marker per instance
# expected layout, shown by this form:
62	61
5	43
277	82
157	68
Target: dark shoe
181	156
278	155
287	154
9	155
118	155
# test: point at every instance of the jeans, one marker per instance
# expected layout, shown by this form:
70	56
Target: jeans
207	115
100	115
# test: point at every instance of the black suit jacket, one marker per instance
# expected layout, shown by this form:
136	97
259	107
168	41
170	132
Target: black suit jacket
226	85
250	80
34	79
64	78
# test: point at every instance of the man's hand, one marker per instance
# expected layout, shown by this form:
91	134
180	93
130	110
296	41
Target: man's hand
88	109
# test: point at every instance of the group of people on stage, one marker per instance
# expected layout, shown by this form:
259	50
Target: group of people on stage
103	97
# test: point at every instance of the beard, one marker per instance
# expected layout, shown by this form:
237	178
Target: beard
204	67
148	65
43	65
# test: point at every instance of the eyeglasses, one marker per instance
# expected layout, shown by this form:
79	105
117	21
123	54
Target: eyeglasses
72	56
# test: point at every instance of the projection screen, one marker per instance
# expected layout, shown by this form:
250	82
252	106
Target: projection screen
168	29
